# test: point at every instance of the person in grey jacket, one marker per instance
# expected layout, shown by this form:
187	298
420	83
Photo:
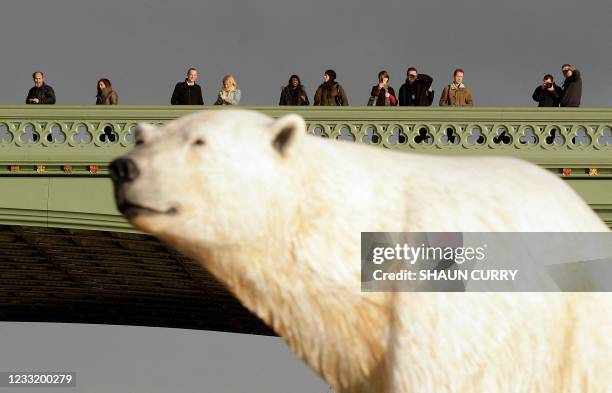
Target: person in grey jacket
229	93
572	86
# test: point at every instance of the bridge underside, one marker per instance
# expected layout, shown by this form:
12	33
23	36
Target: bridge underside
84	276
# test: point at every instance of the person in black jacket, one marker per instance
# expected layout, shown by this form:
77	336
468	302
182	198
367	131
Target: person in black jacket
188	92
41	93
572	86
294	93
548	94
417	90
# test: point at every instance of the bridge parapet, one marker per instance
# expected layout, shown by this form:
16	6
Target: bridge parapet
79	141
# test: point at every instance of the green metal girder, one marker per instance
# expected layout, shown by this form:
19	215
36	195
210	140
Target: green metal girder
65	184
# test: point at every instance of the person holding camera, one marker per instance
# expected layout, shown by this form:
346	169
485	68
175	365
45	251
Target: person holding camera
548	94
382	94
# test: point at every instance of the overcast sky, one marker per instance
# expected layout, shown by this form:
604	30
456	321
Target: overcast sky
144	47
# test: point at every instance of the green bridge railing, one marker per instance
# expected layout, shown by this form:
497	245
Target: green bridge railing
54	159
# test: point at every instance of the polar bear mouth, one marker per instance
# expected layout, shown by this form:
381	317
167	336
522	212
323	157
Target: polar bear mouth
131	210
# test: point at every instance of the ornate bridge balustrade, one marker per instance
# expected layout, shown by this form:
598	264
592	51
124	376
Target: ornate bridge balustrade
78	142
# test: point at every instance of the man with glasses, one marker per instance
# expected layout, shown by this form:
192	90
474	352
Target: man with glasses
572	86
417	90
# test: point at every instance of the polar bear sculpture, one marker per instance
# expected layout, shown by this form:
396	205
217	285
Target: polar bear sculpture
276	215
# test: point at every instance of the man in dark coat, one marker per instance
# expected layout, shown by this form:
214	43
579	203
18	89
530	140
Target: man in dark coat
188	92
572	86
548	94
41	93
417	90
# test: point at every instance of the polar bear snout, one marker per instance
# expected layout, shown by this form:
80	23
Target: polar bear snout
124	170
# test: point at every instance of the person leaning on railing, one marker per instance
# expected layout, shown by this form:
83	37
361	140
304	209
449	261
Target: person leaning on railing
41	93
294	93
457	94
106	95
382	94
229	93
330	93
548	94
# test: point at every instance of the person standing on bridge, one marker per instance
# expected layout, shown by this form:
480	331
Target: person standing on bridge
330	93
41	93
457	94
294	93
188	92
230	93
572	86
106	94
417	90
382	94
548	94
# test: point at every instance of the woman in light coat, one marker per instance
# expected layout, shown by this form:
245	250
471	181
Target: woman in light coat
229	93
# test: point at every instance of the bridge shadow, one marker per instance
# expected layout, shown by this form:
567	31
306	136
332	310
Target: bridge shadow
83	276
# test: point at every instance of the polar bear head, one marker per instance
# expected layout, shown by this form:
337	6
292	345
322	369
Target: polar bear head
219	176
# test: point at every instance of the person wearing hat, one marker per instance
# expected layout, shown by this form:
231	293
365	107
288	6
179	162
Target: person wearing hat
330	93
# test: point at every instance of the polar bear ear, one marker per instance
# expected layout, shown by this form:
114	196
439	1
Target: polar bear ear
144	133
286	130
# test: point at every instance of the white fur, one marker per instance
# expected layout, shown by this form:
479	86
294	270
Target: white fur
282	230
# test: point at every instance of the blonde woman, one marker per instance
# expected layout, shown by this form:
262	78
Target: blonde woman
229	93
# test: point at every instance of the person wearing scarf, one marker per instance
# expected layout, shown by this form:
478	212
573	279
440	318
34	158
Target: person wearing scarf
330	93
106	95
229	93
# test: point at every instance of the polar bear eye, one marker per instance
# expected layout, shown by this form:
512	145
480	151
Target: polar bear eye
199	142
